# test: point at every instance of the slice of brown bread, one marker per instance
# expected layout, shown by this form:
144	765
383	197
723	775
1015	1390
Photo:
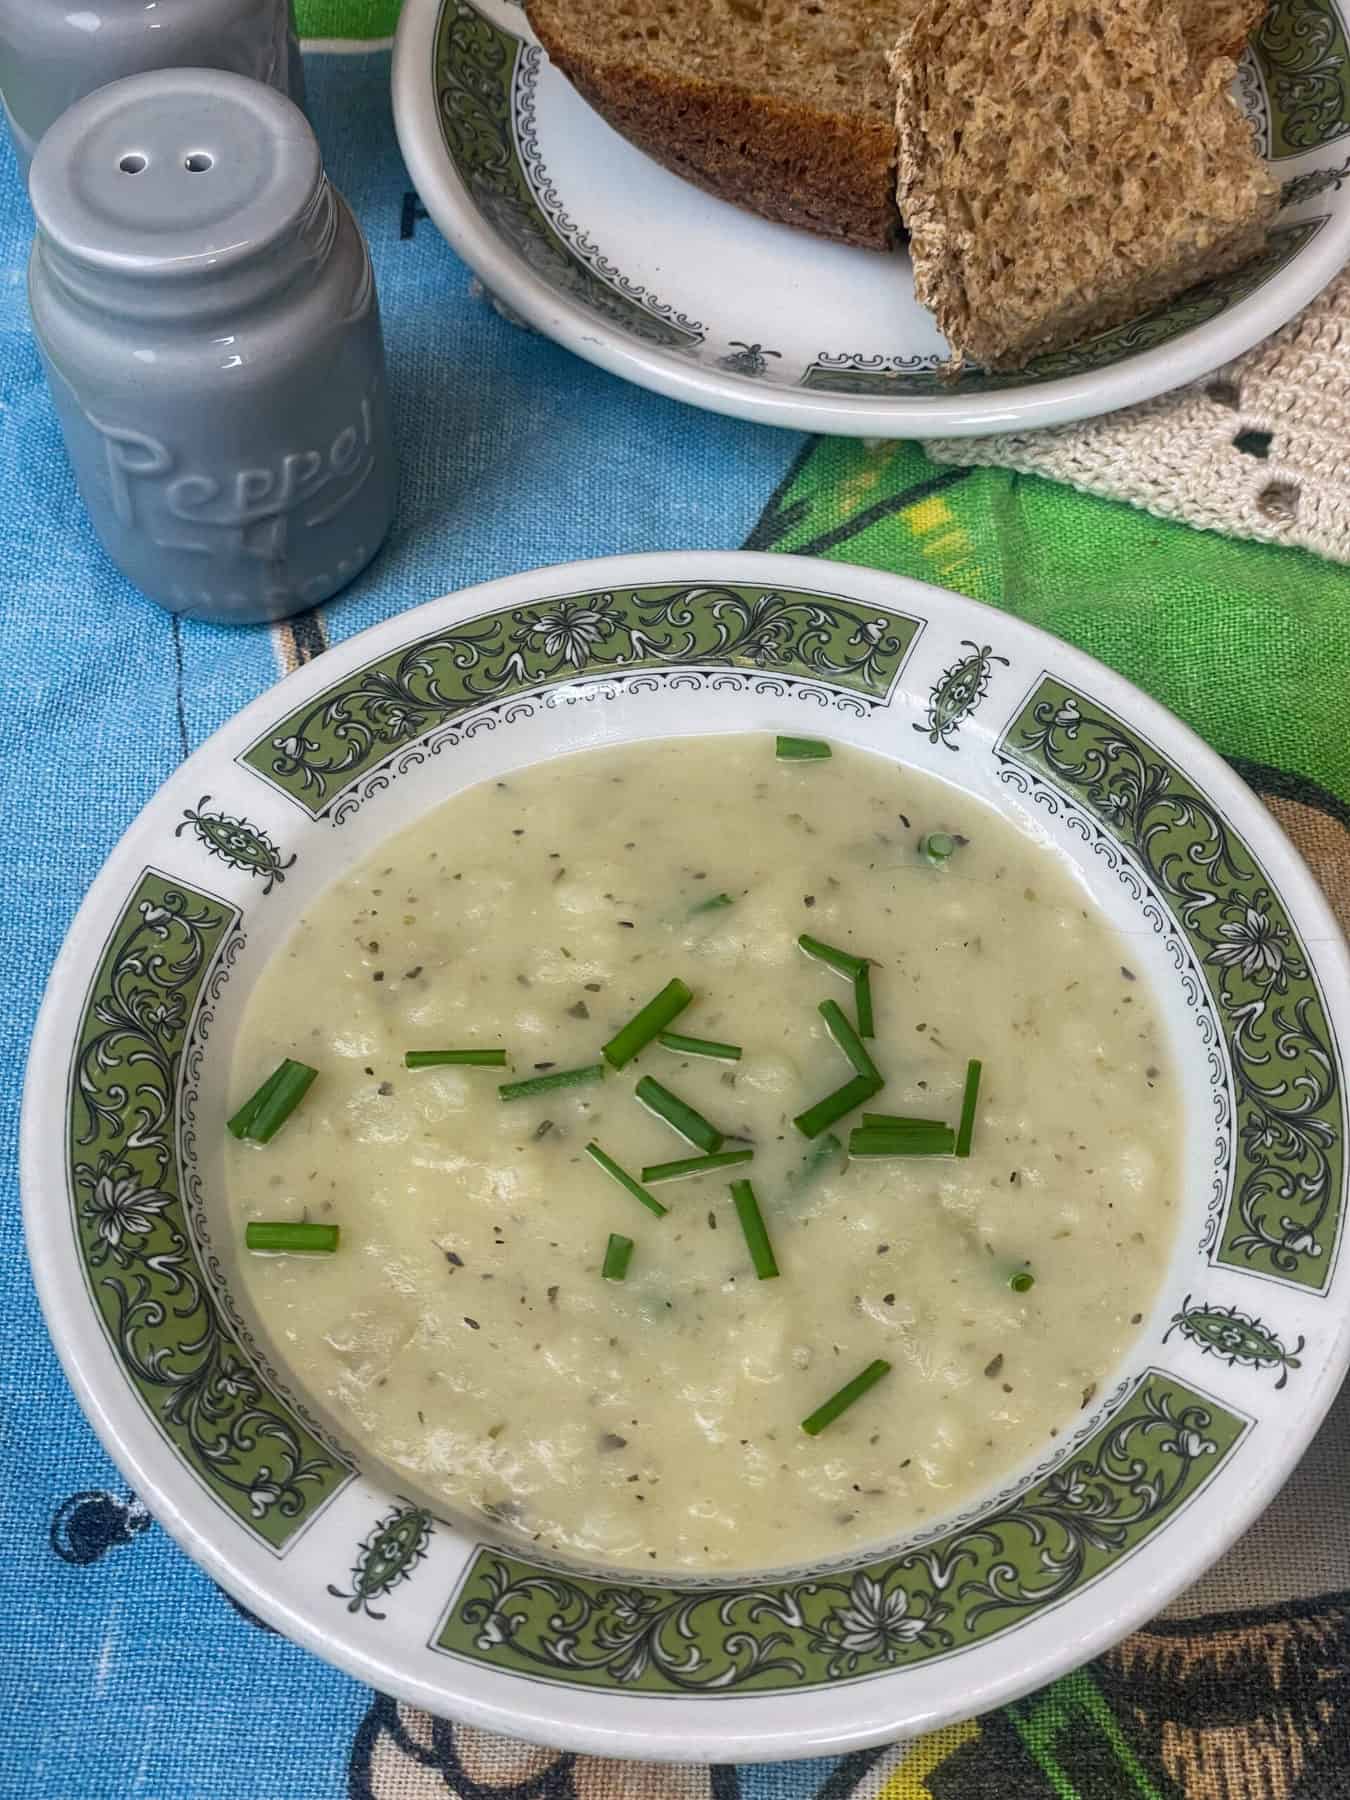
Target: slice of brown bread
1064	165
782	106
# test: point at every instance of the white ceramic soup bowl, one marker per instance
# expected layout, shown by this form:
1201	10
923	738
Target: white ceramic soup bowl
135	1252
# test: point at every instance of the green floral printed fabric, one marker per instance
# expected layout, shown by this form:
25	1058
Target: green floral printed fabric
358	20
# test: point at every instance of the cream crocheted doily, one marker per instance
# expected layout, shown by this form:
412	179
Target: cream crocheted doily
1259	449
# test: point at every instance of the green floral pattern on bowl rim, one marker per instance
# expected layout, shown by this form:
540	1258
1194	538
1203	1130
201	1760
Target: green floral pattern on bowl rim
586	239
134	1254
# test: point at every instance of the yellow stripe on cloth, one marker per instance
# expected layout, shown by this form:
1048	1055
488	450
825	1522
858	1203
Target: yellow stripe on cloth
952	548
902	1773
927	515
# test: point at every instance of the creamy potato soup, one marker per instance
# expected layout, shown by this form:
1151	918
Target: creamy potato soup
465	1331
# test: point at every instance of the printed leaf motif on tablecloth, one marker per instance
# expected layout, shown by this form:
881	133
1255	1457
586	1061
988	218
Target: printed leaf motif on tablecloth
85	1526
885	506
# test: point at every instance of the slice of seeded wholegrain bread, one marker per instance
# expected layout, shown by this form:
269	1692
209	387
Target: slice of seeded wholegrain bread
1064	165
1219	27
781	106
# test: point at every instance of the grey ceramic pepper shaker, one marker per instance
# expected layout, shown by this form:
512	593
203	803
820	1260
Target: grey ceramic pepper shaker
206	311
52	55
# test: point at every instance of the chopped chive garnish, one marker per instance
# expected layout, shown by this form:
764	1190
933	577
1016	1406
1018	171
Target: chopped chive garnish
901	1122
445	1059
643	1026
813	1163
876	1140
300	1239
695	1165
545	1084
824	1113
618	1255
295	1083
843	962
756	1233
795	749
847	1039
938	848
969	1100
1022	1282
695	1046
840	1402
262	1116
711	905
680	1116
238	1126
625	1180
862	1001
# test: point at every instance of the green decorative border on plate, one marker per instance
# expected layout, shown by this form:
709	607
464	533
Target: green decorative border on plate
918	376
476	67
316	754
1285	1201
1153	1455
1304	60
162	965
958	692
386	1557
1237	1337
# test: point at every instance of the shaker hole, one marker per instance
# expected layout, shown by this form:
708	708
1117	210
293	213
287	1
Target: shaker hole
198	163
132	163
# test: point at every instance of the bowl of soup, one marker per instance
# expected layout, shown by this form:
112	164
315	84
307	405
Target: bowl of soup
698	1156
